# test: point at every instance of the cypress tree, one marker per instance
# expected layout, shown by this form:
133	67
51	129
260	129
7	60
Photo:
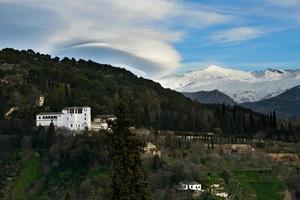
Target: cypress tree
50	135
129	181
274	120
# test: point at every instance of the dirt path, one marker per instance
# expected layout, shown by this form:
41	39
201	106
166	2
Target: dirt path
11	110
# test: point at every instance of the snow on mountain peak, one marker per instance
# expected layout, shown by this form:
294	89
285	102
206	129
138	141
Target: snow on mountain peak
214	68
240	85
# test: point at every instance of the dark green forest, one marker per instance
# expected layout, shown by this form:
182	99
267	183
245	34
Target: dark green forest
26	75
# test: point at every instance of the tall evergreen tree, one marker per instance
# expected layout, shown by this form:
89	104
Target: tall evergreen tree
129	181
274	120
50	135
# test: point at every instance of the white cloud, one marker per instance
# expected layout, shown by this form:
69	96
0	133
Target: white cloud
236	34
137	28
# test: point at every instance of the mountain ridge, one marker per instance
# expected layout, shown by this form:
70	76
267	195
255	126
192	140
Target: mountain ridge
286	104
210	97
252	86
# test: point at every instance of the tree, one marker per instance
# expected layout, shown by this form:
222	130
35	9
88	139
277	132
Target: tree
155	163
226	176
274	120
128	175
50	135
38	138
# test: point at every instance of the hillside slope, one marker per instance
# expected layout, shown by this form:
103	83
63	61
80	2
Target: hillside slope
26	75
286	104
210	97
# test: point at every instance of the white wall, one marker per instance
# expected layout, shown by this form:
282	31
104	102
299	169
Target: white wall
45	120
73	118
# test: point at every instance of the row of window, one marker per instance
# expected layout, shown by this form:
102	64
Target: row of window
77	125
78	111
53	117
48	117
72	115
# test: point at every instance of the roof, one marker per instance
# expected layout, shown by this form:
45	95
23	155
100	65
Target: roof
75	107
50	113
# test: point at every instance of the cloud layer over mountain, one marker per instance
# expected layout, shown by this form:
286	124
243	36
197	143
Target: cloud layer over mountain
154	36
116	31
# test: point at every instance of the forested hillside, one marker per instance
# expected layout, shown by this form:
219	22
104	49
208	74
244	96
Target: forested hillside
210	97
26	75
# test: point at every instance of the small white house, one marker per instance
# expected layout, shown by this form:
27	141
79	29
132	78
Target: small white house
222	194
72	118
190	186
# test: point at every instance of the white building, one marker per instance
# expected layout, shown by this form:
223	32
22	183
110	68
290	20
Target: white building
101	122
40	101
190	186
72	118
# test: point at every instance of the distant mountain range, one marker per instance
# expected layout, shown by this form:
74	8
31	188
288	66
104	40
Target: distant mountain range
241	86
210	97
287	104
262	91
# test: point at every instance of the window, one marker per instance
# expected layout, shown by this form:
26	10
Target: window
71	110
85	114
71	125
79	111
85	118
39	117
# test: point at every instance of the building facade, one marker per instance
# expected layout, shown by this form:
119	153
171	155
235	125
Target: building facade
101	122
190	186
72	118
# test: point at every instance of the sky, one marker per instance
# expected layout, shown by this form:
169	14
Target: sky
154	38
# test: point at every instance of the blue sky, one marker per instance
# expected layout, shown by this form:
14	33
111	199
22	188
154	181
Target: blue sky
158	37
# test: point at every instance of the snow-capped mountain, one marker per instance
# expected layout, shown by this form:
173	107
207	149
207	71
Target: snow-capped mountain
241	86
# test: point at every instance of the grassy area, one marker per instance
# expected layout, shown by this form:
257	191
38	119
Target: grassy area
29	175
263	184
